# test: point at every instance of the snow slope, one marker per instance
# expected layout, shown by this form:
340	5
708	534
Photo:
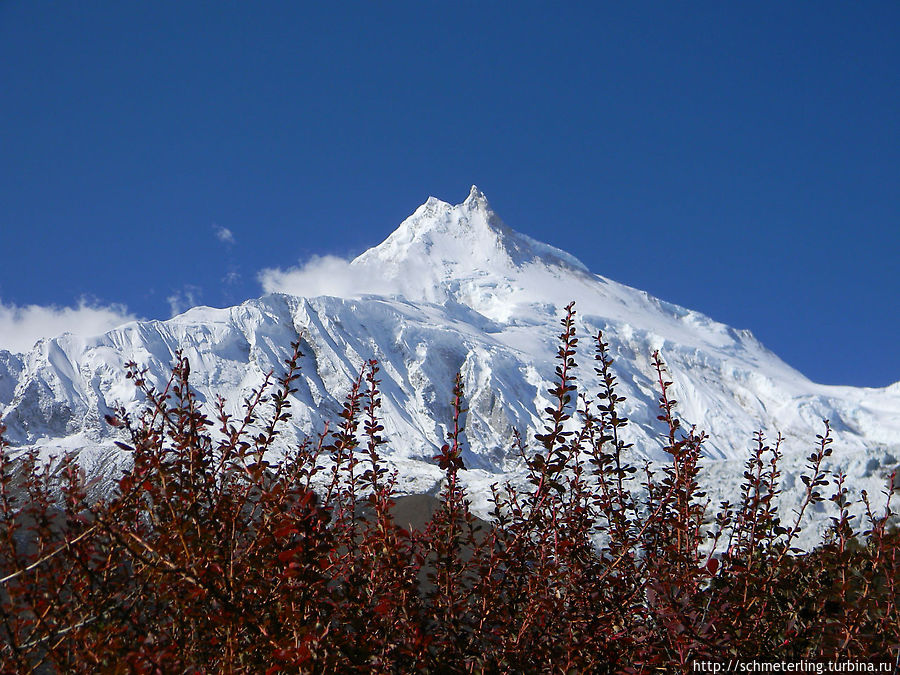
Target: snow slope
470	295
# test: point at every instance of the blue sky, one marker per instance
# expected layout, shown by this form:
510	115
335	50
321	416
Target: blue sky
740	159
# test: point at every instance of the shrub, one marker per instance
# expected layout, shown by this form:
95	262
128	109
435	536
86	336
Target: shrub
215	553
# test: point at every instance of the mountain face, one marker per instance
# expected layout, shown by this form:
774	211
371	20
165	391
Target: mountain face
459	291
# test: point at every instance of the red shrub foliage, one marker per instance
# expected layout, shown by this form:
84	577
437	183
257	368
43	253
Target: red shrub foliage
210	555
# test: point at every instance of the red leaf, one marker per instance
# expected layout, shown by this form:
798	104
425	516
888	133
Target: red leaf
285	556
285	530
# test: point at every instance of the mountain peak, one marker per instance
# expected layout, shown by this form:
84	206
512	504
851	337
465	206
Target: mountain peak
476	198
434	211
469	236
443	246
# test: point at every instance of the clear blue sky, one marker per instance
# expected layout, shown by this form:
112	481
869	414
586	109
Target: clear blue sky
740	159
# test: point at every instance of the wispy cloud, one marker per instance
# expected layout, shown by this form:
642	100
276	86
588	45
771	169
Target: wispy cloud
182	300
325	275
223	234
21	327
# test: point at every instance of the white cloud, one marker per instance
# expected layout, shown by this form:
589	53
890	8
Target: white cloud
21	327
223	234
325	275
184	299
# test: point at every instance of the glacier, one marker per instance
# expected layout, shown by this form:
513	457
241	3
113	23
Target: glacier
454	289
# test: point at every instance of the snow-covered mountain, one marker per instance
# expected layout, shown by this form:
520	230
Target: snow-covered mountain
459	291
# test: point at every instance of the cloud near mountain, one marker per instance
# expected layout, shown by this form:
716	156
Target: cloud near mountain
327	275
22	326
